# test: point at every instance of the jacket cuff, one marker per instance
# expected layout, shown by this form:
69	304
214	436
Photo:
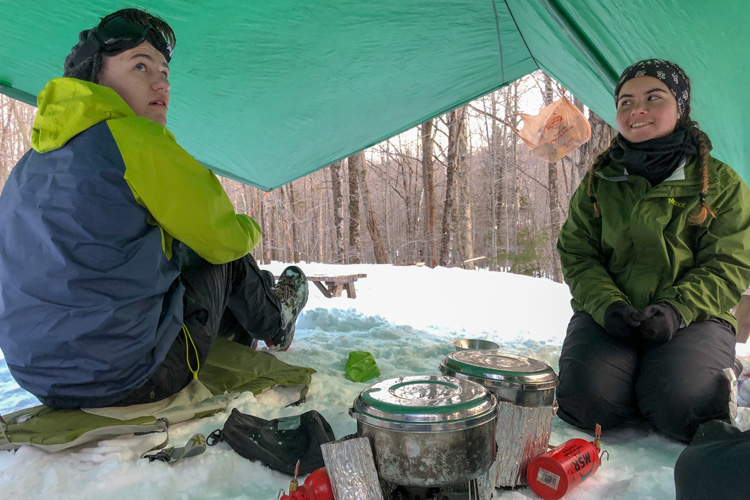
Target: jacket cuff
598	314
683	310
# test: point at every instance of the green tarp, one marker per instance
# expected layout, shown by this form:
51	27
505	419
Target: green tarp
267	92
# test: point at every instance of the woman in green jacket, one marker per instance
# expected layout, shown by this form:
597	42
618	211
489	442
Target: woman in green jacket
656	251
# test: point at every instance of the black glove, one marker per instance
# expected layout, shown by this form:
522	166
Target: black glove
661	323
621	319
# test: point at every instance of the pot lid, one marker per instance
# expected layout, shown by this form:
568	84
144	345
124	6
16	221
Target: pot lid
425	400
496	369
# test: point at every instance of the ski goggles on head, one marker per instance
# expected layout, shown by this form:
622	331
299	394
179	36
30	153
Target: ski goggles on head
114	34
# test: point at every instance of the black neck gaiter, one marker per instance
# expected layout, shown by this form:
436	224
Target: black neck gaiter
654	159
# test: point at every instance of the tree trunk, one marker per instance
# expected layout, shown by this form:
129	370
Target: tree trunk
411	226
261	255
496	181
511	205
294	242
429	189
601	137
464	186
338	212
286	224
248	195
320	207
372	223
554	198
455	123
355	241
576	157
386	201
554	214
272	219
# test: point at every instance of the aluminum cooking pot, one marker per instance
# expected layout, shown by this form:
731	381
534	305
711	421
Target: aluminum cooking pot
428	430
517	379
525	391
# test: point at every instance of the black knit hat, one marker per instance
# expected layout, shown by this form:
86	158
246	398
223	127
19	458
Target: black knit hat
668	72
115	33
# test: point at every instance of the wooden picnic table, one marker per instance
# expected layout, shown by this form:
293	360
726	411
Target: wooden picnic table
332	286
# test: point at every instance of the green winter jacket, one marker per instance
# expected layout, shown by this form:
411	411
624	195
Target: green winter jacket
643	249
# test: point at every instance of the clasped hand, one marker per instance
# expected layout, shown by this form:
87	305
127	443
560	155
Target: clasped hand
656	323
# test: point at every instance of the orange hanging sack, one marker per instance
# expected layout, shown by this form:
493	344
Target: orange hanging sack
558	130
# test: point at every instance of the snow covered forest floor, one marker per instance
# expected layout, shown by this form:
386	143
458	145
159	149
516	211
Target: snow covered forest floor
408	318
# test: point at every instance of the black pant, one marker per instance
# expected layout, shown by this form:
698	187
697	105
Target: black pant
230	300
715	465
676	385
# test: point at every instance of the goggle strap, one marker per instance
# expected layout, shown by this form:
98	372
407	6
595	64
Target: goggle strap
94	44
91	46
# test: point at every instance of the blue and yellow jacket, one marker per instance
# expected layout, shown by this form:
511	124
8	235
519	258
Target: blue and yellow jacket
90	295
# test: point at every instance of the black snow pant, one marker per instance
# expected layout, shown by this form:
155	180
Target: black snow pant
230	300
715	466
676	385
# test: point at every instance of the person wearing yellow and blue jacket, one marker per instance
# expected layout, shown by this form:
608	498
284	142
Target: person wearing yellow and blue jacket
656	252
121	257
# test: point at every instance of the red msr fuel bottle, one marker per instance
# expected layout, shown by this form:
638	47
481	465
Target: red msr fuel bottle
559	470
317	486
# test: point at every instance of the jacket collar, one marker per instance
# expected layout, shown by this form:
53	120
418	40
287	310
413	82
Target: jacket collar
611	171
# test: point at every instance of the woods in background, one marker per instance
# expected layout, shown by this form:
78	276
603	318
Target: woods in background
459	190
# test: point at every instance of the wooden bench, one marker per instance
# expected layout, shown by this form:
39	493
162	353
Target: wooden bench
332	286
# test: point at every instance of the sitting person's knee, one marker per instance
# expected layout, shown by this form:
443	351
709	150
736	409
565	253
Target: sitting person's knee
678	414
676	406
594	394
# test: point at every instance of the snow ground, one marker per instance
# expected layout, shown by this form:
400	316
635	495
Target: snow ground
408	318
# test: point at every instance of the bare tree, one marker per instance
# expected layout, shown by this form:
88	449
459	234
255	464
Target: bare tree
602	135
456	122
430	247
264	252
338	211
355	241
463	184
372	224
554	199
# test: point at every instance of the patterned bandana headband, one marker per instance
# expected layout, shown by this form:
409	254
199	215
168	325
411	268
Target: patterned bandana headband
669	73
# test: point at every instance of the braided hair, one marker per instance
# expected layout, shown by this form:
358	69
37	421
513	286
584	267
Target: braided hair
702	141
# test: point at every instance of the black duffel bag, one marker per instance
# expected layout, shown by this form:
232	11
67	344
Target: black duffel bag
277	443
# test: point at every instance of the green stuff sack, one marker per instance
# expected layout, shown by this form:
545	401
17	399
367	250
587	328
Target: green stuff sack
361	366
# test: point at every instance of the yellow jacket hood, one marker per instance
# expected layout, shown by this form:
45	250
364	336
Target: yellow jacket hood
68	106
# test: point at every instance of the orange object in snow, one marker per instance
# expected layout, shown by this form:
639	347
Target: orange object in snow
559	470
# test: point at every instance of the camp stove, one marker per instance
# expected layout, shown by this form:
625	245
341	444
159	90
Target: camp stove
468	491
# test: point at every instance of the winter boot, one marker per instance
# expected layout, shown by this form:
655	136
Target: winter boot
292	291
